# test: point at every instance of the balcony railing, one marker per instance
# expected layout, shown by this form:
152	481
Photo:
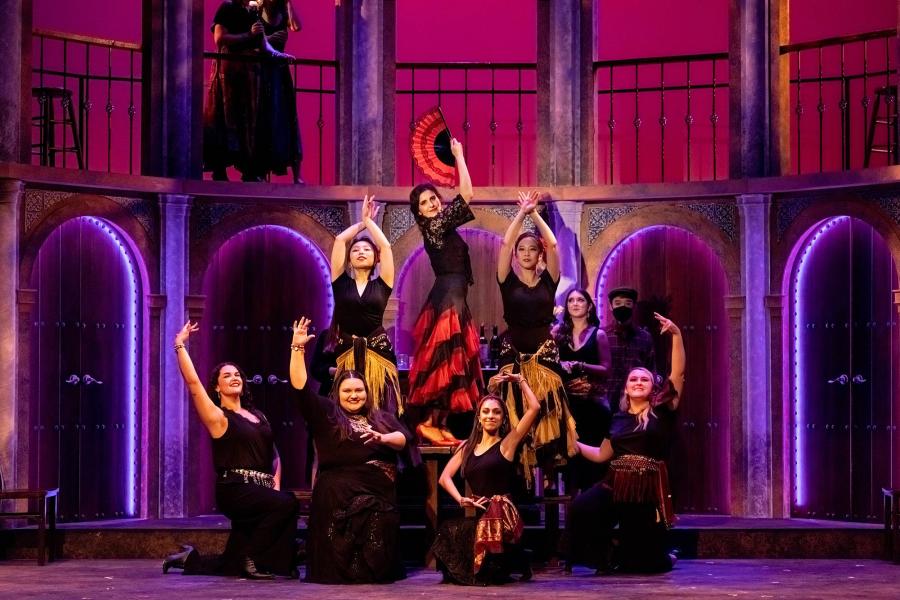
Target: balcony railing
834	83
98	74
674	118
490	107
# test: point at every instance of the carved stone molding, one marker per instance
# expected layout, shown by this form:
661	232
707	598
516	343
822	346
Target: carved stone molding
786	212
599	218
397	221
39	203
722	215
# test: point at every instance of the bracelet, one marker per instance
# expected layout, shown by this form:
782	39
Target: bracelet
298	347
178	347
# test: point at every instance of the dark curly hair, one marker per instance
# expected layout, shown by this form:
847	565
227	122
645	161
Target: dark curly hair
414	197
213	381
564	333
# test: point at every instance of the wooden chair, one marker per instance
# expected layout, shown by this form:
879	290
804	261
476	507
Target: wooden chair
44	514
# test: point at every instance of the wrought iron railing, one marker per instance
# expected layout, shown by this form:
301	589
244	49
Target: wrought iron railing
505	92
687	86
839	76
95	72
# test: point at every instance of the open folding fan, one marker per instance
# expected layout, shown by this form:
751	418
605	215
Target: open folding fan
429	145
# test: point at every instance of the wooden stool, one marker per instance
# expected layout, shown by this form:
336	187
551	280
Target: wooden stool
45	515
891	524
551	506
46	122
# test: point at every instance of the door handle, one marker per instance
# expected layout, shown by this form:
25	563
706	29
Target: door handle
73	379
859	379
256	379
841	379
88	380
274	379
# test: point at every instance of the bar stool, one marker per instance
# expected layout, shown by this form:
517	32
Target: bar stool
41	507
891	524
46	123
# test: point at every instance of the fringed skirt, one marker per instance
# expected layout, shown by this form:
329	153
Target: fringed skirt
446	369
373	356
641	480
481	551
553	436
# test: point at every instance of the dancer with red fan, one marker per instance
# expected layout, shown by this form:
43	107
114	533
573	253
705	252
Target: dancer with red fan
446	372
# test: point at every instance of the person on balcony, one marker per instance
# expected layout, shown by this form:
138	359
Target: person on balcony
635	492
445	375
248	477
528	294
354	524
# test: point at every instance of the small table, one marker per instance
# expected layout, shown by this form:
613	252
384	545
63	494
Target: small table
44	514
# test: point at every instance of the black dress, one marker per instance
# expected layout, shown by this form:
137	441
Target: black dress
643	540
358	340
263	520
446	369
589	405
354	524
487	475
528	348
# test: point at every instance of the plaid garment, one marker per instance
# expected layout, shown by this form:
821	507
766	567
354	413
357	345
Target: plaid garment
629	347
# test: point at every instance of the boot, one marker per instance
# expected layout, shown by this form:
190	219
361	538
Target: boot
180	560
249	571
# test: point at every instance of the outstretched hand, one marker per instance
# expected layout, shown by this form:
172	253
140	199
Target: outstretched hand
182	336
474	502
528	202
666	325
301	332
370	435
370	209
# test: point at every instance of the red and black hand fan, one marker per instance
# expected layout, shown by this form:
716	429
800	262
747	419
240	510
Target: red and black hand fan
429	145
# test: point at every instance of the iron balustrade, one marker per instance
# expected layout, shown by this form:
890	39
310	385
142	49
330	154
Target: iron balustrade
95	67
312	77
472	81
843	72
690	82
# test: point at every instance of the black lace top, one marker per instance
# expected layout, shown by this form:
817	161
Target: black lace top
447	251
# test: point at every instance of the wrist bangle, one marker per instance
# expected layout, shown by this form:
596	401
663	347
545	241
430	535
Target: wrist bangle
298	347
178	347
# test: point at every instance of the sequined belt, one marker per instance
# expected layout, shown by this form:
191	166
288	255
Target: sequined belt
389	470
251	476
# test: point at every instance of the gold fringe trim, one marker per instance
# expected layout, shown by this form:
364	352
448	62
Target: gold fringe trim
379	373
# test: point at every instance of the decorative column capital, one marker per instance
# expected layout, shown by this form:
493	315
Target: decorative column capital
10	190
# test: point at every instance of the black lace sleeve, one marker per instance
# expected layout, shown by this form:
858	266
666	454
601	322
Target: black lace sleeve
452	216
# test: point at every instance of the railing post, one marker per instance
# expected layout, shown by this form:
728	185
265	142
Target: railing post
366	52
565	124
172	92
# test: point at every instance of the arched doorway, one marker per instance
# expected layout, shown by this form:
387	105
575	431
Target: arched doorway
85	370
843	358
257	283
678	274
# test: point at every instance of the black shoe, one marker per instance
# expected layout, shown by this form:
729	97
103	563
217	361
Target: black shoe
250	571
180	560
527	573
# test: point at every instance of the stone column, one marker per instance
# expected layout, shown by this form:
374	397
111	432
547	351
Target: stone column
756	417
173	401
565	136
566	225
11	195
172	94
750	56
14	103
366	52
781	467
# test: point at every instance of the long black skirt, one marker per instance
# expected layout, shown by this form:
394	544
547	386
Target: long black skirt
454	549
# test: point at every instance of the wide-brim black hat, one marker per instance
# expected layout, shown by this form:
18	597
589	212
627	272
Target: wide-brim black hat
626	292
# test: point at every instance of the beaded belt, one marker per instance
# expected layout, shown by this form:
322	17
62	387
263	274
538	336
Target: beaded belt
640	479
251	476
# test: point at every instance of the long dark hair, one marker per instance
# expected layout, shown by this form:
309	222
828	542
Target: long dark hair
364	239
414	198
213	381
375	417
564	333
469	446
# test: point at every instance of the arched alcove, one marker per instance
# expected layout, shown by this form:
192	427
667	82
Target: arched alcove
678	274
85	370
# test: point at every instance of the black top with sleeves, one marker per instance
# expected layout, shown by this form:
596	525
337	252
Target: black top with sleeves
490	474
447	251
528	311
233	17
321	415
357	314
245	445
656	440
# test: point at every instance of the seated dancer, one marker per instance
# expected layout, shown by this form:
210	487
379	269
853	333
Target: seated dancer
354	524
584	358
528	347
356	336
485	550
248	477
445	375
635	493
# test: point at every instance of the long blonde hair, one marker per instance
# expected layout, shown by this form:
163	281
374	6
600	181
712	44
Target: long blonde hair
643	417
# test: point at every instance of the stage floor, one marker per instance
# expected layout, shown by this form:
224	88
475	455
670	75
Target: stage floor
839	579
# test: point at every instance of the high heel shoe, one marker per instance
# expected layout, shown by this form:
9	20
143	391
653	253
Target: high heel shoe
250	571
429	435
448	437
181	559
